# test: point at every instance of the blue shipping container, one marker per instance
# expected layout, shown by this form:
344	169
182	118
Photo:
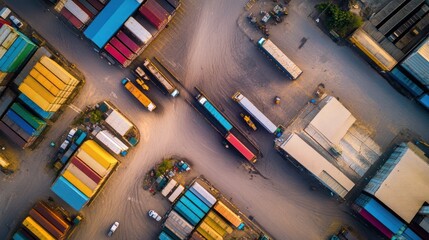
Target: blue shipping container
164	236
43	114
81	138
5	101
68	154
186	213
411	235
192	207
18	236
69	193
383	215
170	234
196	193
109	20
18	130
200	204
21	122
218	116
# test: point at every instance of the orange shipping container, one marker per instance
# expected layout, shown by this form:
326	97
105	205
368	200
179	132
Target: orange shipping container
43	92
36	229
54	79
58	71
228	214
45	82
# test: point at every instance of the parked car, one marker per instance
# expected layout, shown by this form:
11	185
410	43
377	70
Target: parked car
71	134
113	229
16	21
154	215
64	146
4	13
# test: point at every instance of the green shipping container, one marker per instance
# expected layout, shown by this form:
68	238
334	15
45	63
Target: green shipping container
34	121
22	57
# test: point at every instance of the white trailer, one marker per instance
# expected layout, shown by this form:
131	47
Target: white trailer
167	189
138	30
112	142
118	122
254	111
176	193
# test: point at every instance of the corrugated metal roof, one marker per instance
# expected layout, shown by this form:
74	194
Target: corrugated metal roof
403	13
317	165
417	63
386	11
109	20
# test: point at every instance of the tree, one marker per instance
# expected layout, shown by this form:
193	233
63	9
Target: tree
342	22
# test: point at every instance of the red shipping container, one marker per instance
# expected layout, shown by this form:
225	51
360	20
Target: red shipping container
96	4
155	13
71	18
46	224
81	6
121	48
237	144
377	224
128	42
87	170
116	54
53	218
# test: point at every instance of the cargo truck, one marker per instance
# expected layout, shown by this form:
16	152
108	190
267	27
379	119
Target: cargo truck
160	79
240	147
254	111
280	59
138	94
214	112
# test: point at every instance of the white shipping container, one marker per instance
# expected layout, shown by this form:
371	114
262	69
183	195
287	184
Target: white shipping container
92	163
138	30
167	189
204	193
115	139
77	11
4	32
176	193
2	51
111	142
118	122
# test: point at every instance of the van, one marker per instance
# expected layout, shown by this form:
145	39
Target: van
4	13
16	21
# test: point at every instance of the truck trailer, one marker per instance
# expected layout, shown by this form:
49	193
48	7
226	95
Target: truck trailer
138	94
214	112
160	79
254	111
240	147
280	59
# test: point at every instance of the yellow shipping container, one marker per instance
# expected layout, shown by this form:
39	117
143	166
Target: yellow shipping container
36	229
35	97
215	226
10	39
210	231
90	162
82	176
78	183
37	87
228	214
217	219
54	79
99	154
58	71
45	82
2	51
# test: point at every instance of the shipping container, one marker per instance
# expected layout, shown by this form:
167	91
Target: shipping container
12	135
174	3
81	138
138	30
46	83
36	86
170	233
179	226
196	236
156	14
51	229
5	30
241	148
211	233
164	236
34	121
191	206
9	40
176	193
111	142
167	6
139	95
229	215
209	199
186	213
17	129
21	123
71	18
118	122
221	223
50	76
20	235
212	110
160	79
200	204
122	48
85	179
69	193
16	55
92	163
36	229
86	169
127	41
77	11
36	98
87	8
99	154
167	189
82	187
58	71
109	20
33	106
117	55
96	4
215	226
52	217
6	100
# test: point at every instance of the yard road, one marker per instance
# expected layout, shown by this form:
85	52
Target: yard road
205	47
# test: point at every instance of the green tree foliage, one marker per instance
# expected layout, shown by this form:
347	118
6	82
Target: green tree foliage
342	22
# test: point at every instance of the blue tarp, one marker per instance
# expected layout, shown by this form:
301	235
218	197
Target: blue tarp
69	193
109	20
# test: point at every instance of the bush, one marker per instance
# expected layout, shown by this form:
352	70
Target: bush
165	165
342	22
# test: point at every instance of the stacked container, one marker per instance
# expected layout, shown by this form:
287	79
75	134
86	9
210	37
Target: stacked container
80	12
43	223
155	14
15	49
48	85
83	176
229	215
112	142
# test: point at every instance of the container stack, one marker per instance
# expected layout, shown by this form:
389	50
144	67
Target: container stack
48	86
80	12
15	50
84	174
43	222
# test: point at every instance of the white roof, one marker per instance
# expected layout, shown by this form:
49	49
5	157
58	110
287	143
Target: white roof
406	188
333	121
315	163
118	122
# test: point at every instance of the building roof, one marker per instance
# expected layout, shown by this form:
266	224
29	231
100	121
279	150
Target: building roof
333	121
406	188
315	163
417	63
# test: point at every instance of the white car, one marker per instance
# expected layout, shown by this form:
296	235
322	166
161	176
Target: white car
16	21
113	229
154	215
